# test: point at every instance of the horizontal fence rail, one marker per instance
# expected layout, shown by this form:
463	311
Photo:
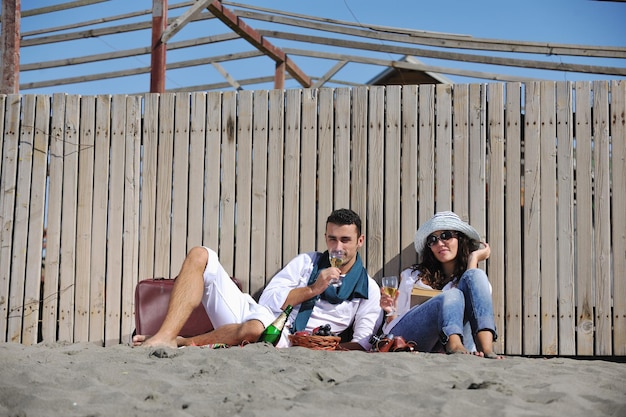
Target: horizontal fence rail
99	192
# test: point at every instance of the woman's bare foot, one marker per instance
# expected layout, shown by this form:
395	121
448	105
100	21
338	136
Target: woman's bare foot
485	345
455	345
491	355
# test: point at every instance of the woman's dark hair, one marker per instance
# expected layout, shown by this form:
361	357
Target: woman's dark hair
430	269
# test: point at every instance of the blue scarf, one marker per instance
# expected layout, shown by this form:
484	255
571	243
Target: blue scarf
353	285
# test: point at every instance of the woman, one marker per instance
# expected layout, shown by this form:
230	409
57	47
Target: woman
450	251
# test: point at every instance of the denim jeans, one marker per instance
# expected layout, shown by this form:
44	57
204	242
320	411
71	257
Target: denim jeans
451	312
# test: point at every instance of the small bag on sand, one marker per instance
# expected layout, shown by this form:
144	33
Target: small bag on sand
391	343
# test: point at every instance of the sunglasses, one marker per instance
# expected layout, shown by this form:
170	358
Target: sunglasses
444	236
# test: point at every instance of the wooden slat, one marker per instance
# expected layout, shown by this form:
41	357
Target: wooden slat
308	172
584	220
565	215
460	149
36	218
197	151
164	174
408	162
391	182
20	232
426	157
291	218
228	182
477	160
3	99
548	220
360	157
375	173
36	208
325	154
69	208
275	150
244	189
130	257
512	331
180	181
618	135
84	217
342	162
10	147
532	197
212	169
100	221
259	192
495	208
602	216
115	242
443	144
50	296
148	190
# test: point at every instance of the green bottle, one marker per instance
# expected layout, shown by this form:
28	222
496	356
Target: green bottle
272	333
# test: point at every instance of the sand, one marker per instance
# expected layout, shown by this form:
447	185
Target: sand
259	380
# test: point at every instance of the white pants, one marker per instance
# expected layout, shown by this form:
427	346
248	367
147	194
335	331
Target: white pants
224	302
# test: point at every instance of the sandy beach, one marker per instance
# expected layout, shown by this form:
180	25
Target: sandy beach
259	380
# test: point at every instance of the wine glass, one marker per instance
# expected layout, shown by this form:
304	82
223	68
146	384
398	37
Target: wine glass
390	287
335	257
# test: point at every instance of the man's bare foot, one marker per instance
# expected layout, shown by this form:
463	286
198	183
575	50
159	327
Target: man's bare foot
153	341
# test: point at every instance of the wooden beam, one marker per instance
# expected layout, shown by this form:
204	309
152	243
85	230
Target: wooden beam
59	7
158	52
10	46
233	83
436	39
134	52
279	76
183	19
252	36
408	66
491	60
141	70
339	65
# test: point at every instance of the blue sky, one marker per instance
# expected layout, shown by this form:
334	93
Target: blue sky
579	22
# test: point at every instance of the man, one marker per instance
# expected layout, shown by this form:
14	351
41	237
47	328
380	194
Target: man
344	297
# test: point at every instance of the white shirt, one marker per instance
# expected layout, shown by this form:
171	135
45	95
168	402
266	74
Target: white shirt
365	314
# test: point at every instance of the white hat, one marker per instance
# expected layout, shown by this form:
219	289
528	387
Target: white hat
444	220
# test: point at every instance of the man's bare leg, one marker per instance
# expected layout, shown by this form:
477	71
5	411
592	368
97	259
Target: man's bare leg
186	295
230	334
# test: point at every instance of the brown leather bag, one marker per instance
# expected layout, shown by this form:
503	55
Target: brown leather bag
152	297
394	344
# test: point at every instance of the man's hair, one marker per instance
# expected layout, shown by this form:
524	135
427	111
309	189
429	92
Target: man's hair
345	217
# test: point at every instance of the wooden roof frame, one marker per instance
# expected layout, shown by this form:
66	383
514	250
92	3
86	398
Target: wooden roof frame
342	43
230	19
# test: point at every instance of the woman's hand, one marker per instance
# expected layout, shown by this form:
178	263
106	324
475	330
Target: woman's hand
387	303
479	255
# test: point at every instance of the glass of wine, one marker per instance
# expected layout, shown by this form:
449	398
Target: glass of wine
390	287
336	260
